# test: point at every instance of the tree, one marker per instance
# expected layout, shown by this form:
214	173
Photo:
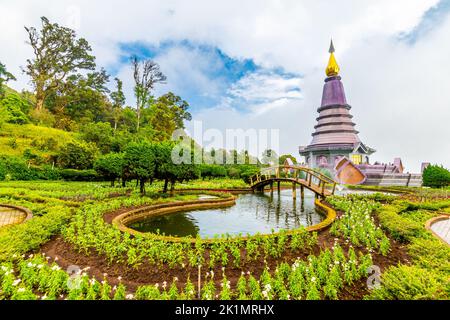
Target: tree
169	112
436	176
168	171
77	155
146	75
212	171
139	163
118	100
287	156
99	133
5	76
81	98
110	166
57	55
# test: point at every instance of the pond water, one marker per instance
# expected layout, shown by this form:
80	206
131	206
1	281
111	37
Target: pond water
253	213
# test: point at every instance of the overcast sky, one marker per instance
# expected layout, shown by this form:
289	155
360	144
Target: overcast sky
260	64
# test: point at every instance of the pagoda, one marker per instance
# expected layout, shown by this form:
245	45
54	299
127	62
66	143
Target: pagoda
335	136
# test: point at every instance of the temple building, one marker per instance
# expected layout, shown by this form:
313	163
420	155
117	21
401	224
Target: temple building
335	144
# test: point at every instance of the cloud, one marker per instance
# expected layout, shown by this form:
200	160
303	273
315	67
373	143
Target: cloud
398	87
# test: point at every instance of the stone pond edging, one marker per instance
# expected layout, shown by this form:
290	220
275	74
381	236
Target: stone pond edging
433	220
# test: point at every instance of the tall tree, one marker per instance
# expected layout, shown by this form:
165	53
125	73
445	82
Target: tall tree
58	54
5	76
168	113
146	75
80	99
118	100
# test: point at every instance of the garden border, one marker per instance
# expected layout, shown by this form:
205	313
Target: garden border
125	218
431	221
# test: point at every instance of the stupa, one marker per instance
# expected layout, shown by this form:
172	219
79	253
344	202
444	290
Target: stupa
336	147
335	135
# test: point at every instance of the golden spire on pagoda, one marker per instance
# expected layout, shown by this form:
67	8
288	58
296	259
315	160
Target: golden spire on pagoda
332	67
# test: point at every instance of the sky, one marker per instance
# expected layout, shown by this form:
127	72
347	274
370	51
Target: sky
260	64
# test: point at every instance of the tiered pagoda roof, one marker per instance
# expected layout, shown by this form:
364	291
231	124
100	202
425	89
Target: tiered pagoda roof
334	129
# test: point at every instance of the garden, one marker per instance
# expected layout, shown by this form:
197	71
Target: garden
79	165
377	248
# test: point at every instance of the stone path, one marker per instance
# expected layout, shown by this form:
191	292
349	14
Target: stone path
11	216
442	228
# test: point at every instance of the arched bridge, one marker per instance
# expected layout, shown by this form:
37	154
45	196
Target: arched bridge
306	177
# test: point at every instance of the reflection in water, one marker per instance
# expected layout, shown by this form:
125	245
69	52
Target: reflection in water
252	213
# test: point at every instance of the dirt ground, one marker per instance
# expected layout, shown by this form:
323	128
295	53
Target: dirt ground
98	265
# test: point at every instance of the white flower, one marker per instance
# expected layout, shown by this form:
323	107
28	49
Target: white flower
129	296
21	290
119	278
44	297
55	268
16	282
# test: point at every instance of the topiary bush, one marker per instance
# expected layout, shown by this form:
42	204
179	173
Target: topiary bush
78	155
79	175
110	166
436	176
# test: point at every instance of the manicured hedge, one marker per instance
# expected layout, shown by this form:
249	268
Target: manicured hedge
436	176
79	175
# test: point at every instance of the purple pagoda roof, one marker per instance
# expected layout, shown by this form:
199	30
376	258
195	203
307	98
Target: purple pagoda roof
333	92
334	129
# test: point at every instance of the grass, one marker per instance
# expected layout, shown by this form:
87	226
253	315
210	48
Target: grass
59	206
43	141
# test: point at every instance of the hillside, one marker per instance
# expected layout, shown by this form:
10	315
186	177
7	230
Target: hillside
15	139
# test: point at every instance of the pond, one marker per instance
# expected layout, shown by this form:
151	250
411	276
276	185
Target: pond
252	213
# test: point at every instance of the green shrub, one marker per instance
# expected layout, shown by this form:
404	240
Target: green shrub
17	169
410	283
247	172
234	172
78	175
77	155
436	176
42	118
99	133
16	107
20	239
110	166
430	254
401	228
212	171
48	173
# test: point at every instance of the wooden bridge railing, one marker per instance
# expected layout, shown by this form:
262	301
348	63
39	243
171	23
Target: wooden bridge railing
310	178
